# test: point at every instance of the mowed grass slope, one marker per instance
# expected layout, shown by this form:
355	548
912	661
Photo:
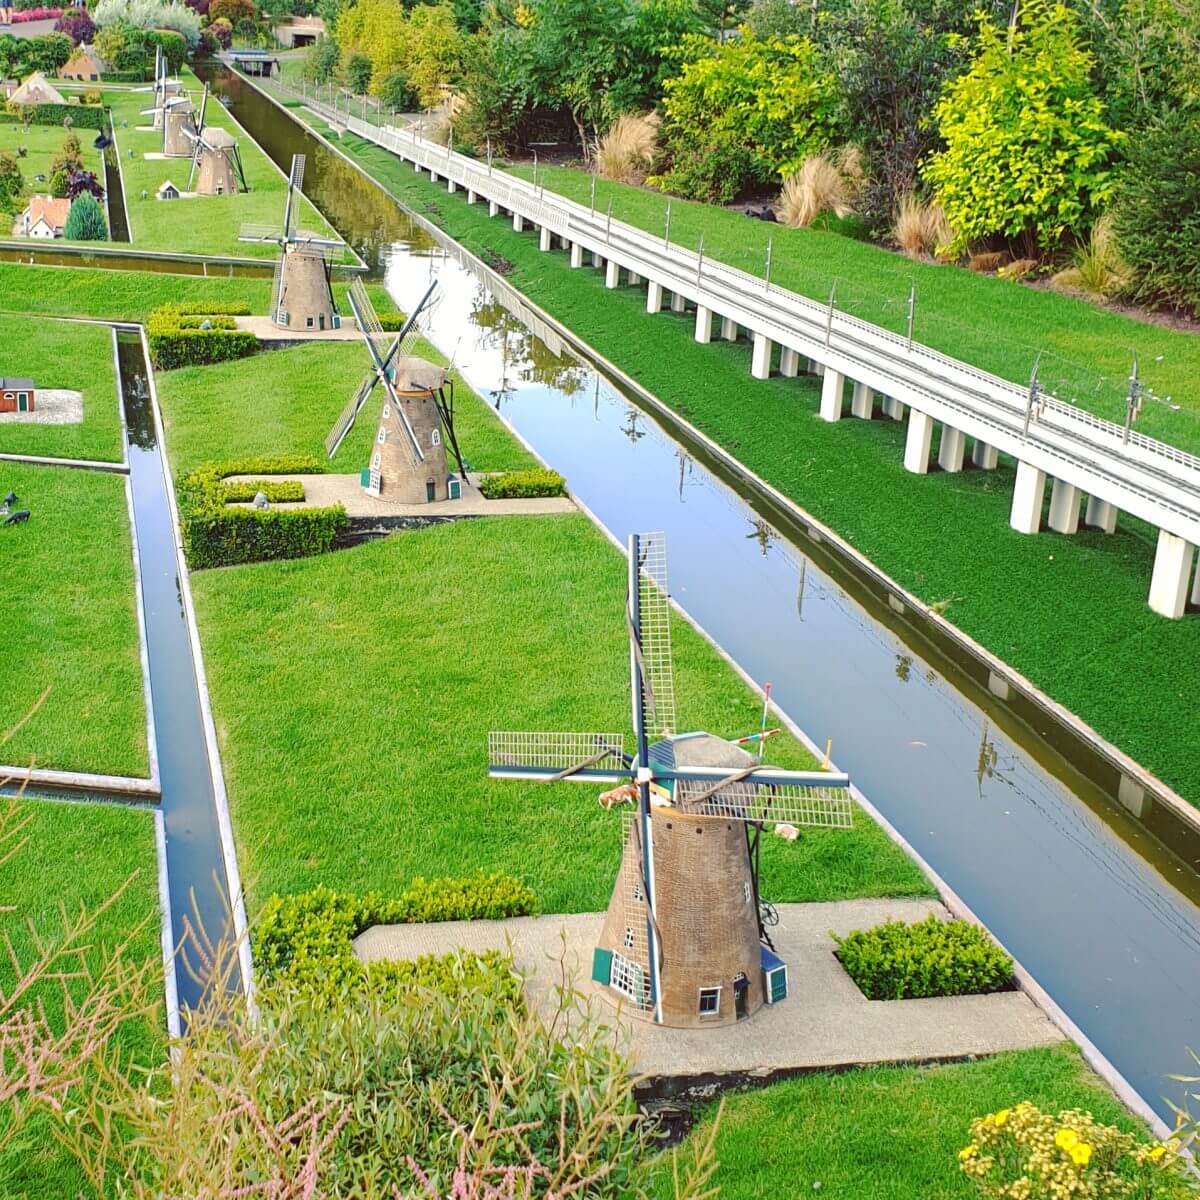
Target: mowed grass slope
63	354
68	625
887	1133
285	401
73	855
201	224
1069	613
354	692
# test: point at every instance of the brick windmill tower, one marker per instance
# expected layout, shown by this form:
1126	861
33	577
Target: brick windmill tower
216	157
416	419
302	296
684	942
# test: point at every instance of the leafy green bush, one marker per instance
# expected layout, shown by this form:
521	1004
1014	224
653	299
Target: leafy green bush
83	116
176	339
229	308
305	941
1157	213
509	485
277	491
895	961
392	322
716	170
1027	150
217	535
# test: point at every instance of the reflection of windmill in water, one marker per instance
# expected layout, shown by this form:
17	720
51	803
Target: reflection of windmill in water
302	294
684	941
215	153
763	534
630	428
408	456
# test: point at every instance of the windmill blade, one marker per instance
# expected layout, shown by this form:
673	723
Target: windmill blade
295	179
346	418
259	233
553	757
195	157
815	799
650	633
203	110
236	155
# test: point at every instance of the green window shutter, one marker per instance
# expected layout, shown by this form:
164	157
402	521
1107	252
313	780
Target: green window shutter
602	965
778	985
364	477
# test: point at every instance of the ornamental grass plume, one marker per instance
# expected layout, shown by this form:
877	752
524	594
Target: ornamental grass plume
626	153
1099	270
1022	1153
920	227
825	183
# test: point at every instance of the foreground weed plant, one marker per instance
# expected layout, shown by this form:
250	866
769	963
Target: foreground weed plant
1023	1153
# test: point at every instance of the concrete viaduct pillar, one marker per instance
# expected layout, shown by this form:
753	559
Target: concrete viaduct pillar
789	362
576	254
985	457
493	208
832	391
729	330
654	297
634	279
678	302
951	448
1172	575
597	259
545	237
892	408
760	364
862	402
612	274
471	196
703	324
1101	515
451	186
1026	515
1064	507
518	223
917	442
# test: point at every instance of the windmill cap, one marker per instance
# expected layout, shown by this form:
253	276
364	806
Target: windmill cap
417	375
706	750
219	139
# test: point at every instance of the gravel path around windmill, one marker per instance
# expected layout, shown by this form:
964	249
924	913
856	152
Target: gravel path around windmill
826	1022
347	490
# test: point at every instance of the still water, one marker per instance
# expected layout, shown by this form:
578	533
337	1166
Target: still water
1103	916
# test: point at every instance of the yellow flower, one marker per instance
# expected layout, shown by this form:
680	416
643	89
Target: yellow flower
1064	1139
1156	1153
967	1152
1002	1116
1081	1154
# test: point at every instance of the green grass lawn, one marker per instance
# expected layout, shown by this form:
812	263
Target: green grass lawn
285	401
988	322
1077	624
76	855
68	624
62	354
42	143
200	225
353	695
887	1133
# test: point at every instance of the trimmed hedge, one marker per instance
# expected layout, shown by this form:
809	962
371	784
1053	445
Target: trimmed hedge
306	941
277	491
176	339
522	485
216	535
895	961
83	116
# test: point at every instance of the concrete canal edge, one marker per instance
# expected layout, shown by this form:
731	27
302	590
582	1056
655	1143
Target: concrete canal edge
236	897
167	931
1135	781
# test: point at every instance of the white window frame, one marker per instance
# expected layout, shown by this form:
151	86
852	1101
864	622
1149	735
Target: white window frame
382	435
628	978
436	437
747	891
715	993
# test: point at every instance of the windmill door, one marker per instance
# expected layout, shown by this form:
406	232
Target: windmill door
741	994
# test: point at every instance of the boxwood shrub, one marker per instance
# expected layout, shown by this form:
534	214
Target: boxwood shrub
217	535
513	485
305	941
896	961
176	339
278	491
83	116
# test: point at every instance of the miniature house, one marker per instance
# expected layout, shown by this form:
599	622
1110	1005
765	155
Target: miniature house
167	191
17	395
37	90
84	66
45	217
395	473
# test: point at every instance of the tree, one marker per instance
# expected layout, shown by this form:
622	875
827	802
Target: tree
232	10
1028	152
173	45
85	221
149	14
1157	211
321	60
83	182
397	93
47	53
222	31
655	28
12	183
77	25
358	73
432	52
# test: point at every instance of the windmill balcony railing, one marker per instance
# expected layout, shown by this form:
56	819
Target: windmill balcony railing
1149	477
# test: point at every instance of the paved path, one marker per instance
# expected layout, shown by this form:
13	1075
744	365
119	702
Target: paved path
825	1022
323	490
266	331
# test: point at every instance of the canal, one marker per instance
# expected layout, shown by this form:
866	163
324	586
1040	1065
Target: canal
1092	902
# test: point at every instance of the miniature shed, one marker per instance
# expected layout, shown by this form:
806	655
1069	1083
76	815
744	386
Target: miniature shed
17	394
84	66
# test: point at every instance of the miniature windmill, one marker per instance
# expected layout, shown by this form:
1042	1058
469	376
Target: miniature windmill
683	942
215	153
302	297
178	127
408	459
163	88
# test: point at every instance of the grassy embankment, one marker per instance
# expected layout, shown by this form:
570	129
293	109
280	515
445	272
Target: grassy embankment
201	224
1069	613
67	609
888	1133
60	354
76	855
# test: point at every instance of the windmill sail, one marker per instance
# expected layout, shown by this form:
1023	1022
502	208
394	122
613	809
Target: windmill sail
652	637
811	798
295	182
549	757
